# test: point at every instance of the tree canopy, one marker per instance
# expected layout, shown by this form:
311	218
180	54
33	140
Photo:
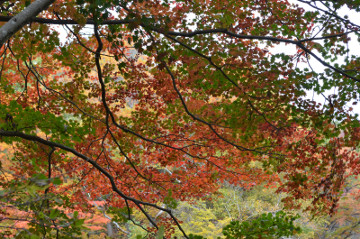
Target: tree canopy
142	104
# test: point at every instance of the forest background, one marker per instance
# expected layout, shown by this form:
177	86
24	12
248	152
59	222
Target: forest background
179	119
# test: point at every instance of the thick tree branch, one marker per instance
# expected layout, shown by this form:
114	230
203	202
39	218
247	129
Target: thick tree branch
189	34
70	21
18	21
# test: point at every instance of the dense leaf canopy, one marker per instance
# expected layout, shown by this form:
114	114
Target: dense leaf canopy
146	103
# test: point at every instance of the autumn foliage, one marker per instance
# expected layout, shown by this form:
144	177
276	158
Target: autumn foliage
142	104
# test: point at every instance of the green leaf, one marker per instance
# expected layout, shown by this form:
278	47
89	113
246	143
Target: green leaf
56	181
160	233
54	213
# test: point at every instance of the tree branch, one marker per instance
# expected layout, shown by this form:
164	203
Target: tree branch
70	21
18	21
52	144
